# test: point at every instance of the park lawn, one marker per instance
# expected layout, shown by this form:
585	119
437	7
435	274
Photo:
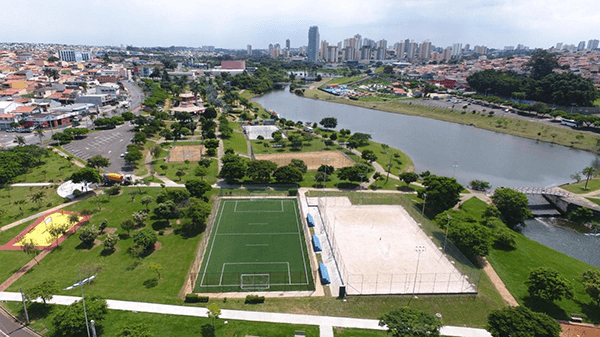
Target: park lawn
237	142
11	197
12	261
594	200
168	325
513	126
514	267
474	207
400	162
261	111
172	168
350	332
54	169
122	276
578	188
315	144
309	180
393	185
345	80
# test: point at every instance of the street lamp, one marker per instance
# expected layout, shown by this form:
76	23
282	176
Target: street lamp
454	166
424	201
419	250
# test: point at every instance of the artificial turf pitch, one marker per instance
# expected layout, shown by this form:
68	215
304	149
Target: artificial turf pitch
252	238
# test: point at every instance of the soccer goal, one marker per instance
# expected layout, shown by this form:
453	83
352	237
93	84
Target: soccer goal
255	281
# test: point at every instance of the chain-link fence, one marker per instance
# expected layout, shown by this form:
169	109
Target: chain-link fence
464	280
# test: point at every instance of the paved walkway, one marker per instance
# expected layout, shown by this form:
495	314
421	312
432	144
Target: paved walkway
325	322
31	184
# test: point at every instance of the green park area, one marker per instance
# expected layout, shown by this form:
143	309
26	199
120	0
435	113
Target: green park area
580	187
237	141
517	127
180	172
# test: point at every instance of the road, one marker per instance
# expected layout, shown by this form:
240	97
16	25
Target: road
136	95
8	327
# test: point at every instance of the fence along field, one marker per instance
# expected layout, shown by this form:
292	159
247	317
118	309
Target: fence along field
256	244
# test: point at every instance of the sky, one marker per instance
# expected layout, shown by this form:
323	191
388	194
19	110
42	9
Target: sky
235	24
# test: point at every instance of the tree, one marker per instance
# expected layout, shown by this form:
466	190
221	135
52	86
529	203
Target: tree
576	176
512	206
197	188
359	139
541	63
471	238
30	248
581	215
166	210
352	173
408	177
71	321
147	200
139	138
299	164
295	141
591	281
20	140
479	185
57	231
589	172
521	321
198	211
87	174
139	218
329	122
177	195
442	192
145	239
43	290
97	162
277	136
180	173
327	169
135	330
213	312
369	156
133	156
38	197
87	235
155	267
547	284
233	170
110	241
288	175
261	170
127	226
210	113
409	322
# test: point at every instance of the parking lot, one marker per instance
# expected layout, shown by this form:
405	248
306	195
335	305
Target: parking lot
108	143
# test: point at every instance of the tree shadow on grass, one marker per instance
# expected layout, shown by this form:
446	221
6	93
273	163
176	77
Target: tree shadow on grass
547	307
347	186
84	246
188	232
591	310
37	311
160	224
133	265
207	330
107	252
151	283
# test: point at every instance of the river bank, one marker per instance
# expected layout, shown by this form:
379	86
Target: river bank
525	128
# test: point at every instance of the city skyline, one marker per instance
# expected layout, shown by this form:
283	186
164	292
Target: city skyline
234	25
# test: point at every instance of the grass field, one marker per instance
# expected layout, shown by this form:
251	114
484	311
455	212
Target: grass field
237	142
188	169
256	244
121	275
16	202
578	188
54	169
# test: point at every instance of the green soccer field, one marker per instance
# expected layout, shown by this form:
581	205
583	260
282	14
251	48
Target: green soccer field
256	245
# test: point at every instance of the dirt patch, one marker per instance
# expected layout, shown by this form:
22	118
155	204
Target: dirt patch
158	245
110	230
179	154
312	159
168	232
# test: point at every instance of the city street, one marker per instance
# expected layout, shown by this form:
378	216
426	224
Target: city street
136	95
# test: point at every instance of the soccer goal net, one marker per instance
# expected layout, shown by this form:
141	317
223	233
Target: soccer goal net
255	281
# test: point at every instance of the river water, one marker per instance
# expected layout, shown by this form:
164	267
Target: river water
463	151
445	148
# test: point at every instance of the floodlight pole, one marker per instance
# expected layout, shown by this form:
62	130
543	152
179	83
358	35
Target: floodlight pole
419	250
455	165
24	305
446	237
424	201
87	326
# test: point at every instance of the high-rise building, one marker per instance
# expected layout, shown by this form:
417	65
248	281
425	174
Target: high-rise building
323	51
592	44
365	52
400	50
480	50
467	48
412	50
313	44
276	51
447	55
559	45
581	46
287	44
332	54
456	50
425	50
249	49
406	45
74	55
381	49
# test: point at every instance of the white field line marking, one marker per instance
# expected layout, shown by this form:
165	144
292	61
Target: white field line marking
212	245
300	239
259	233
257	245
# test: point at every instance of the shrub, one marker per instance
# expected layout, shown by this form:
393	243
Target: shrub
87	212
254	299
191	298
145	239
114	190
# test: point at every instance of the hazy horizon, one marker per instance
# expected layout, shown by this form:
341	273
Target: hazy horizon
233	25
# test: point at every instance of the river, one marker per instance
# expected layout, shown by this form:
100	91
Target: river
442	147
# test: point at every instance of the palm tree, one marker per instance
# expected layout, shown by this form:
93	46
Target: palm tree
40	133
37	197
20	140
589	172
